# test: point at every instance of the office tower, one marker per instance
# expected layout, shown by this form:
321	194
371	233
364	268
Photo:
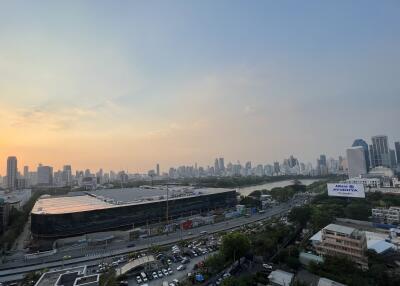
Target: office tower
67	175
221	164
12	170
322	160
322	168
356	161
45	175
362	143
392	155
276	168
87	173
26	172
292	161
158	170
397	149
380	151
216	166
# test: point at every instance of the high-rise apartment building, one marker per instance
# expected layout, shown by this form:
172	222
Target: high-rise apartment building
322	167
45	175
221	164
26	172
216	166
364	145
276	168
158	170
12	170
67	175
380	155
356	161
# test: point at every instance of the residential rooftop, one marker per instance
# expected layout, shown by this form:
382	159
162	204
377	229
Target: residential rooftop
340	228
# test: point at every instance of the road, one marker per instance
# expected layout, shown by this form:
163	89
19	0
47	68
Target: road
15	270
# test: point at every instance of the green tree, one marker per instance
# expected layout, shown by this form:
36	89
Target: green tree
109	278
215	263
358	210
235	245
300	215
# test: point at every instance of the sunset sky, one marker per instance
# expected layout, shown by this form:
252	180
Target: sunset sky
127	84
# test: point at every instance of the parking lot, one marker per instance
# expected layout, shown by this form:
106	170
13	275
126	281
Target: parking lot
177	262
172	265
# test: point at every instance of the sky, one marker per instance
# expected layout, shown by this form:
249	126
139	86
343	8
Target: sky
128	84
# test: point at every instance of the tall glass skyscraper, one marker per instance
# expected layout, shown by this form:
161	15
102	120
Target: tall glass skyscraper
380	154
397	149
362	143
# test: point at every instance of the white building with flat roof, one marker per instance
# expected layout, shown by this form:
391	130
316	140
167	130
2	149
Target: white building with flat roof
373	183
280	278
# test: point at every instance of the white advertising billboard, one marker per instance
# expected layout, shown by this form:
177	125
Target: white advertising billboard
346	190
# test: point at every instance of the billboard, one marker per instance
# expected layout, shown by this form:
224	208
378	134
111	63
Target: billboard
346	190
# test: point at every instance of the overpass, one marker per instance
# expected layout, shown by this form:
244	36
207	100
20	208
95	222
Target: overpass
133	264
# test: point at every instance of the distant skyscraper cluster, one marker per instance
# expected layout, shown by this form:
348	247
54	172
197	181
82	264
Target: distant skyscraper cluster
362	158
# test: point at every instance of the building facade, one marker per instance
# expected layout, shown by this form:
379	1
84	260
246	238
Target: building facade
70	216
357	165
380	155
397	149
338	240
12	170
386	215
364	145
45	175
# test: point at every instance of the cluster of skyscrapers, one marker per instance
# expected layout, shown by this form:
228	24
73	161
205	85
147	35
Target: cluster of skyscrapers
289	166
362	158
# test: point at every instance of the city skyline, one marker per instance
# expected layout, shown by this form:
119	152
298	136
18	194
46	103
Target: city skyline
95	84
392	145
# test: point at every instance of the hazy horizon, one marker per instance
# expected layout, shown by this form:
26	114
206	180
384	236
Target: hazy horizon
128	84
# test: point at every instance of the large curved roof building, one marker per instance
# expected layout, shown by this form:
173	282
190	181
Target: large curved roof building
110	209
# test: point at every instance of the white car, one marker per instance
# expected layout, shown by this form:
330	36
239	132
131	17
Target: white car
267	266
165	272
155	276
169	270
138	279
181	267
159	273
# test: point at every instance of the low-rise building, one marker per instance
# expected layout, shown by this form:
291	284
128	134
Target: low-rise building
68	277
367	182
280	278
338	240
386	215
328	282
